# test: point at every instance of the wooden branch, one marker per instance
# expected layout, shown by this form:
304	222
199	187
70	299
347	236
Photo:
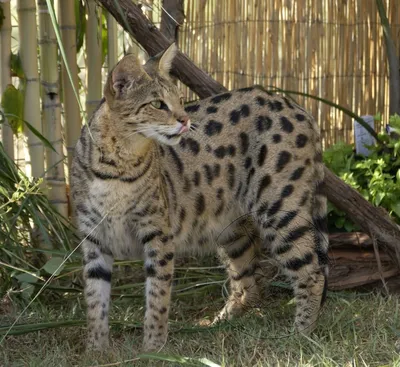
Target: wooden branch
172	18
131	18
372	220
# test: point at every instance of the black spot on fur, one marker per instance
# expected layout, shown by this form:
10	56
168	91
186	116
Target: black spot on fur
182	143
286	219
282	248
300	117
263	123
283	159
182	214
186	185
150	236
196	178
248	163
231	150
298	263
165	277
208	173
176	159
216	170
169	256
296	234
297	173
238	252
245	110
286	125
150	270
275	105
194	146
212	109
301	140
276	138
200	204
250	176
220	193
275	207
221	97
220	152
244	143
262	155
213	128
287	191
98	272
260	101
152	253
231	175
192	108
264	182
235	117
304	198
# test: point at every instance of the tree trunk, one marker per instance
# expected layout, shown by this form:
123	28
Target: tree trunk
172	18
72	113
7	135
131	18
93	58
55	176
29	58
373	220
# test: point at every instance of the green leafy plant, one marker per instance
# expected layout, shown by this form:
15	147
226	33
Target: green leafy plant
376	178
30	227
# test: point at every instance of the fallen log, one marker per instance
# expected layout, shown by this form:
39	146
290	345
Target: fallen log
371	220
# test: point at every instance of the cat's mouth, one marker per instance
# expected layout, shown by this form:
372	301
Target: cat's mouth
175	137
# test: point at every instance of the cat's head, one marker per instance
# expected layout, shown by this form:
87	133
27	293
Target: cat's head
144	100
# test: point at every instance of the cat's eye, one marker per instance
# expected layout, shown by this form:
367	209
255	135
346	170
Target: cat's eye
160	105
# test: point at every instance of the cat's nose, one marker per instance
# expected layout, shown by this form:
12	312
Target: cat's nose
185	121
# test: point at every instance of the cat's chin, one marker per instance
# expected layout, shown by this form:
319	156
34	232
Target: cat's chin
169	139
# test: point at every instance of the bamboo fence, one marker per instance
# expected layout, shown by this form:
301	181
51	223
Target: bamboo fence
333	49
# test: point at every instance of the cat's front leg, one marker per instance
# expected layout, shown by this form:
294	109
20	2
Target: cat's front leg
159	266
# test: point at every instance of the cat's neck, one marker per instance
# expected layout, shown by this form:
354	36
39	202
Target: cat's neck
119	144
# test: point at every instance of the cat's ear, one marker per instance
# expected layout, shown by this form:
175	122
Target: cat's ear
166	59
162	62
126	74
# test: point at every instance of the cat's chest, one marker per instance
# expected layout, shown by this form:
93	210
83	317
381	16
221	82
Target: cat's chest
112	197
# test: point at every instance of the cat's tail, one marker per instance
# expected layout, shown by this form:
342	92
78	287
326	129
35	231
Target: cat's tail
319	218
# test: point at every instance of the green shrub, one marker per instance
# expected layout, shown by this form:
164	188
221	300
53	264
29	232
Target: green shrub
376	178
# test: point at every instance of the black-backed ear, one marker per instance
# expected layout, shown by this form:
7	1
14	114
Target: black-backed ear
162	62
166	59
126	73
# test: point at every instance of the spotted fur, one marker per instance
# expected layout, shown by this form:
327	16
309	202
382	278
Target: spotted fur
247	174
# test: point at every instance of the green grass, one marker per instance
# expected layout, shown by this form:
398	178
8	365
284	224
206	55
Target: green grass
354	330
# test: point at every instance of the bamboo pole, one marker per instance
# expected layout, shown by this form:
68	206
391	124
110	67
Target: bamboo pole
5	73
112	41
93	58
72	114
28	53
51	113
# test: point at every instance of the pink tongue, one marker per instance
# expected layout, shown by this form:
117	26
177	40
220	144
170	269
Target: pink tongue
183	129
